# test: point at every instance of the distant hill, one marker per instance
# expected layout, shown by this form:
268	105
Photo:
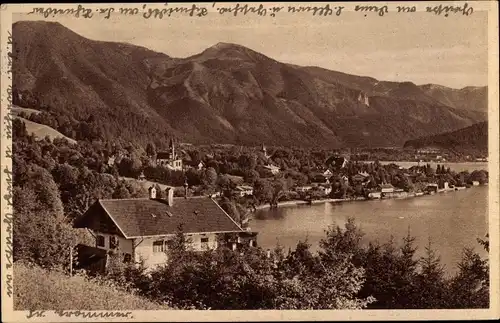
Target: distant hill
468	98
226	94
472	138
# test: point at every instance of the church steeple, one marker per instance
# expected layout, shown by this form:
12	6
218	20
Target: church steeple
172	148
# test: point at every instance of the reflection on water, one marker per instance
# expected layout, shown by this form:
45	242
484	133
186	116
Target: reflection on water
451	220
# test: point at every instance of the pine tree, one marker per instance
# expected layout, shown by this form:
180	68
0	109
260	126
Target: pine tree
469	288
430	282
406	271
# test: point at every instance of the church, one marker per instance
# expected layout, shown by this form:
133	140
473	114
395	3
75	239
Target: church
169	159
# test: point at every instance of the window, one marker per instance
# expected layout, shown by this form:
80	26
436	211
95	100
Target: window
100	241
158	246
127	258
204	243
113	242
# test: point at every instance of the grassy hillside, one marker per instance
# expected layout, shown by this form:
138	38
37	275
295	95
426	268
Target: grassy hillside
40	131
38	289
27	111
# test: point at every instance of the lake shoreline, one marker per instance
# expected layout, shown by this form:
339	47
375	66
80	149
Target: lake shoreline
331	200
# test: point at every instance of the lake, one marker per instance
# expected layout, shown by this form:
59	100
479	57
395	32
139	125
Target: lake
452	220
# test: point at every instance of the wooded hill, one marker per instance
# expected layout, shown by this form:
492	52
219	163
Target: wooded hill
470	139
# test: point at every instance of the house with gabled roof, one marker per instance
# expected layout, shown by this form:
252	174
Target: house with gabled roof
243	190
386	188
361	177
272	169
138	229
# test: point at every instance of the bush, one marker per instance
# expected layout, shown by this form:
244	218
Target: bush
39	289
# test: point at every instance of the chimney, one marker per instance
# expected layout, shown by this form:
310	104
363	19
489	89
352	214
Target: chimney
152	192
170	195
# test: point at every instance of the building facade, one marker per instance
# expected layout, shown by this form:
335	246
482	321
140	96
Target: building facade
243	190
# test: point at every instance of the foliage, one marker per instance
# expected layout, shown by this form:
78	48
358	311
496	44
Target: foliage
250	279
470	287
430	282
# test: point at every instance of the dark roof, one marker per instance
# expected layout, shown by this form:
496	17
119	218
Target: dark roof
149	217
163	155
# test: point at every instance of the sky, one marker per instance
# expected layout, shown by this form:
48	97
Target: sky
419	47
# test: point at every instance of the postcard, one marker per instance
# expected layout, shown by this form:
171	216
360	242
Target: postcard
245	161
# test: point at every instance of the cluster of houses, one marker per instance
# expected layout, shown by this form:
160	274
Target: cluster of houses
321	183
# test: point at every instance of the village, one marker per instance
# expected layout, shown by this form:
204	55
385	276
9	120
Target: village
215	208
320	181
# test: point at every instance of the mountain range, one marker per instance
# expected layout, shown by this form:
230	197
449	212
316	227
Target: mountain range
227	94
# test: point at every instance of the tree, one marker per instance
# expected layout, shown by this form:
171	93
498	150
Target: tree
209	178
406	267
263	191
479	175
278	188
237	211
251	176
121	191
485	243
179	245
88	187
225	185
301	261
151	150
247	162
40	236
19	129
130	166
341	242
430	282
429	171
47	193
470	287
195	157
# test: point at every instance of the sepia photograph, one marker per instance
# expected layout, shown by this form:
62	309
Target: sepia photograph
247	156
